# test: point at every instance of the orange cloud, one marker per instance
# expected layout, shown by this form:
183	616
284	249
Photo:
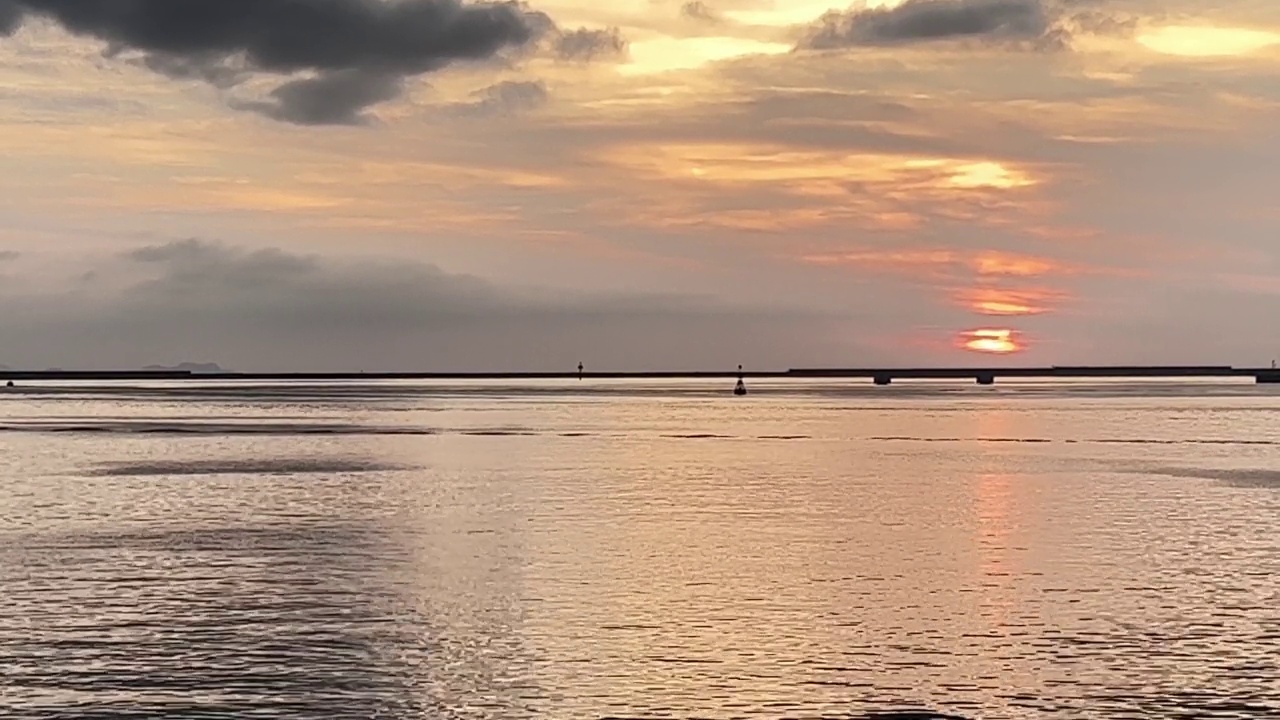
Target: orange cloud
873	190
741	164
998	302
985	263
893	260
1001	263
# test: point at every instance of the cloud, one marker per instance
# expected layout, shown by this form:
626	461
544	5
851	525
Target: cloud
918	21
272	309
982	263
336	98
177	67
698	10
1099	22
507	97
984	282
10	17
585	44
409	37
352	53
1000	302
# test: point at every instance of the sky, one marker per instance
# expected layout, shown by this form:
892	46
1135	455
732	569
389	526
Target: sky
639	184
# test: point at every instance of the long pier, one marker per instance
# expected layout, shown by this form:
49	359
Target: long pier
880	376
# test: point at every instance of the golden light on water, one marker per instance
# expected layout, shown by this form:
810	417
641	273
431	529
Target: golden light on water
997	341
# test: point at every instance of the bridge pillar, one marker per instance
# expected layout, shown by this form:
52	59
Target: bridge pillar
986	379
883	379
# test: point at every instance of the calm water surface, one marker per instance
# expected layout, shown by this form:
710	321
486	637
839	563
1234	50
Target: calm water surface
648	550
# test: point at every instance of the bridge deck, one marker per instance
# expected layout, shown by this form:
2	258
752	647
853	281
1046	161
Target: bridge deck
988	374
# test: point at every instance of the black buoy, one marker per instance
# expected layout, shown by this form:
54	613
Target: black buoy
741	387
9	384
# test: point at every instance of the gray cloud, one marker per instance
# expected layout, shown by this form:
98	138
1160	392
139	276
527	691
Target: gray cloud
586	45
932	20
507	97
350	54
335	98
1098	22
10	17
271	309
698	10
220	74
284	36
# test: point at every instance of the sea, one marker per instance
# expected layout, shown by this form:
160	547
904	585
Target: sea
618	549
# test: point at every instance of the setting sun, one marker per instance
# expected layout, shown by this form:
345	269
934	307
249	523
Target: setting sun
991	340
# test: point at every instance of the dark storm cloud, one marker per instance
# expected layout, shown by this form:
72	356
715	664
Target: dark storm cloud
271	309
10	17
932	20
405	37
347	55
586	45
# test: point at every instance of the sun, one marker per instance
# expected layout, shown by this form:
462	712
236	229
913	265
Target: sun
995	341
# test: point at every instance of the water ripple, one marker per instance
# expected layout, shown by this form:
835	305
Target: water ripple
644	558
251	466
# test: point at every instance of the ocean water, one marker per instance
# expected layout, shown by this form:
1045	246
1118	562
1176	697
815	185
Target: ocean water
643	550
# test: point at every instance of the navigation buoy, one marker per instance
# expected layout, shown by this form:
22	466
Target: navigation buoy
741	387
579	371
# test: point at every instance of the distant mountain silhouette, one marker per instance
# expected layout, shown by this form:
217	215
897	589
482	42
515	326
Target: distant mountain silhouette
190	367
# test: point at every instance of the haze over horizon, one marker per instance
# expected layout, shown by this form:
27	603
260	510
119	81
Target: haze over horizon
646	184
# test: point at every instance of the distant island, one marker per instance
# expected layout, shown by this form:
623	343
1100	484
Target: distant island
194	368
191	367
